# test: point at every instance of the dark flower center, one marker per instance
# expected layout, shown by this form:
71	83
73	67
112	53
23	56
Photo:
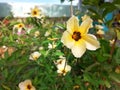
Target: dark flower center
63	71
29	86
34	12
20	26
76	36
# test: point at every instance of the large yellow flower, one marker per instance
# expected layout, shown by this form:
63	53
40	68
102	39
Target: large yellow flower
77	38
35	12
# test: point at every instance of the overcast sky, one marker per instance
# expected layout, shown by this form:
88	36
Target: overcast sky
40	1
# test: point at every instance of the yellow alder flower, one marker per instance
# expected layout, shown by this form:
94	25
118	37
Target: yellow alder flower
37	33
100	32
19	26
63	69
77	38
35	55
61	61
35	12
26	85
111	41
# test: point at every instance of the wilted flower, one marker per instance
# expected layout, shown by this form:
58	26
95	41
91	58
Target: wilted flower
51	46
77	38
41	48
35	55
3	49
26	85
100	29
47	33
117	69
35	12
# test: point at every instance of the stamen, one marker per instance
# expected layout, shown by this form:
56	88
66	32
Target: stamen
76	36
29	86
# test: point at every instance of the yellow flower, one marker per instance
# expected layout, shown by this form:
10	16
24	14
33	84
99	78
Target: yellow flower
100	32
77	38
60	61
63	69
26	85
35	12
19	26
37	33
62	66
117	69
47	33
35	55
51	46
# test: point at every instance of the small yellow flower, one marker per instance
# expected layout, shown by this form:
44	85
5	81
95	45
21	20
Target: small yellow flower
100	21
62	66
77	38
60	61
37	33
35	55
47	33
19	26
100	32
76	87
111	41
63	69
117	69
35	12
51	46
26	85
99	27
17	29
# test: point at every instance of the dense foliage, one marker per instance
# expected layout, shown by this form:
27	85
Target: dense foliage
20	39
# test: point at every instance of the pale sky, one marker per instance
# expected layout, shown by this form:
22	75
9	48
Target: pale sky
40	1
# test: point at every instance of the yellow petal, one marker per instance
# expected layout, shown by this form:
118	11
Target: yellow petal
85	17
85	26
67	39
72	24
91	42
79	48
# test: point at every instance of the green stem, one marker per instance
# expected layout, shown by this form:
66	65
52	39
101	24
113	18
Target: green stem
91	66
112	49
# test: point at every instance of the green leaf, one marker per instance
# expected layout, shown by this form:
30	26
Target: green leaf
117	56
5	87
118	34
107	84
114	76
62	1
